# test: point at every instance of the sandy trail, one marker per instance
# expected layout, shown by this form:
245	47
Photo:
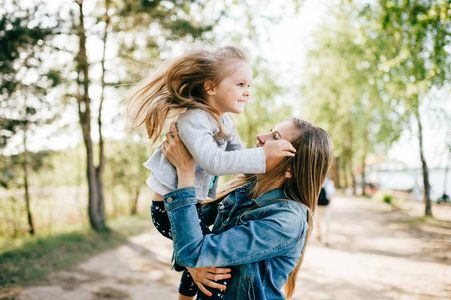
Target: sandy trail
373	254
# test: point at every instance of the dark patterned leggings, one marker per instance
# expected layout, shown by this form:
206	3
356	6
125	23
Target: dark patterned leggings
187	286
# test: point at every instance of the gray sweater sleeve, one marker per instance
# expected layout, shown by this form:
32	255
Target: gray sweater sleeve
197	131
234	142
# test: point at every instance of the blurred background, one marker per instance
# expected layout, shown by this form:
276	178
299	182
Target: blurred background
374	74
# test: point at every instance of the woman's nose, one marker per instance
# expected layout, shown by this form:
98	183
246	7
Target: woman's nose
261	138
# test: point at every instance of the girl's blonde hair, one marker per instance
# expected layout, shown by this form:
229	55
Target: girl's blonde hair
308	168
179	85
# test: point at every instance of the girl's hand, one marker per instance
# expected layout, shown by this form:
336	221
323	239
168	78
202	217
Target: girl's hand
205	276
176	152
275	150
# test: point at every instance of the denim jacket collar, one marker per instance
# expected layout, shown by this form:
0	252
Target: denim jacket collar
270	195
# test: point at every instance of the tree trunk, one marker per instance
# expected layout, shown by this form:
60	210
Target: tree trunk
427	187
335	172
96	209
99	169
134	202
365	151
348	158
350	171
446	170
25	179
344	170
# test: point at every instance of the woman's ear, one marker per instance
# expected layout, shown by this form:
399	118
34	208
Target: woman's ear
209	87
288	173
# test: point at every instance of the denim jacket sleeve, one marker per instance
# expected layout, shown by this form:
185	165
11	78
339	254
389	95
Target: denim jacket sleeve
196	132
210	212
275	234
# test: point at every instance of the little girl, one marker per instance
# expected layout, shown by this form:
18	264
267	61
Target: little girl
202	87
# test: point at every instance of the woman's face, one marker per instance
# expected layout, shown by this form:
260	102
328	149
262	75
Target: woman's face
284	130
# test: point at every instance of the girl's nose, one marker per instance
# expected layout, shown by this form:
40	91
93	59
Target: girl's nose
247	92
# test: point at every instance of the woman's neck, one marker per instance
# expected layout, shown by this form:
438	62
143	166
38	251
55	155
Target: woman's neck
265	184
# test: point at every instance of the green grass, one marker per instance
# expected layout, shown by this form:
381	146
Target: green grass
31	259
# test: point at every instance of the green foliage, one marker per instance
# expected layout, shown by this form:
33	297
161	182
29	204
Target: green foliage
415	59
124	174
58	192
26	260
372	67
147	30
388	199
342	91
24	36
11	167
384	196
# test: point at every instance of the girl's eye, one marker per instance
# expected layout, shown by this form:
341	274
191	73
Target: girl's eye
240	84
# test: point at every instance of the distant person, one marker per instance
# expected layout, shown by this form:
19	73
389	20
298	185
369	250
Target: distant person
324	211
417	193
205	86
443	198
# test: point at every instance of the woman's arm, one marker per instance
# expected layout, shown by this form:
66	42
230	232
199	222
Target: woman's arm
273	235
195	130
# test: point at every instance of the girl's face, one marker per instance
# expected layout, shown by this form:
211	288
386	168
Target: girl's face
232	93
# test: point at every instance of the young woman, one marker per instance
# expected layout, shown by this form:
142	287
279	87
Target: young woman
263	221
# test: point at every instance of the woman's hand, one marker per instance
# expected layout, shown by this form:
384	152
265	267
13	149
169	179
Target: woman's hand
205	276
176	152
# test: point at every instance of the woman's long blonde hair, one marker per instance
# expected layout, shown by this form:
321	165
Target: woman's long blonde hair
308	169
179	85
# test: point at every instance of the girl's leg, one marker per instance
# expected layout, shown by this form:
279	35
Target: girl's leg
160	218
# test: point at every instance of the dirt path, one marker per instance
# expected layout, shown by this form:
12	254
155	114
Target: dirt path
373	254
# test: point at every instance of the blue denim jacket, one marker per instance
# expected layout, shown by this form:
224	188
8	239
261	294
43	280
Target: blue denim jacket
260	239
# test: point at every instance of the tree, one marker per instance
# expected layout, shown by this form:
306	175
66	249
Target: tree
120	17
126	173
26	78
342	93
415	58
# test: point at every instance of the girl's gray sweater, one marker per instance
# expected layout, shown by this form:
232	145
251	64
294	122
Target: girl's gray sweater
197	130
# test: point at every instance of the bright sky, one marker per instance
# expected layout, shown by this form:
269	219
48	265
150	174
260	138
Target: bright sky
285	45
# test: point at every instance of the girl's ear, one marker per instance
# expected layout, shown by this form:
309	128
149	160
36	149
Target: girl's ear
288	173
209	87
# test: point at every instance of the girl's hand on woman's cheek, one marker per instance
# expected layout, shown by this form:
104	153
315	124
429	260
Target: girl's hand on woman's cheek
275	150
206	276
